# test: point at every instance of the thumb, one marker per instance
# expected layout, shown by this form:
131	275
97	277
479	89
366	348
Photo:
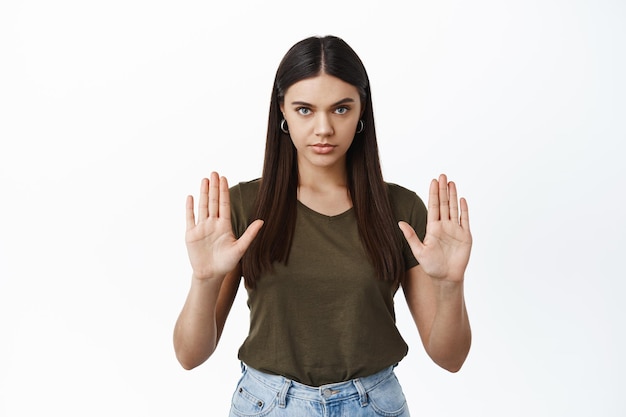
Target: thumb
248	236
411	237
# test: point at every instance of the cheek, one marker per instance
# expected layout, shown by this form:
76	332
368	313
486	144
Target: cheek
297	127
348	128
297	136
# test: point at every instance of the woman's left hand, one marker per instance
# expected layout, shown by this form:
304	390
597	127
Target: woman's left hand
445	251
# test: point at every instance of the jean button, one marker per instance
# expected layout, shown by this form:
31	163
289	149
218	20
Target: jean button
327	392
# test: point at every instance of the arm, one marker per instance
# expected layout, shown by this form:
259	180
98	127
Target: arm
201	321
214	253
439	312
434	289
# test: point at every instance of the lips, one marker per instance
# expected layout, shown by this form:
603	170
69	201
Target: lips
323	148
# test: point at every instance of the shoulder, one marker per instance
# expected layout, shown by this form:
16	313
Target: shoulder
401	197
398	190
407	205
245	191
242	198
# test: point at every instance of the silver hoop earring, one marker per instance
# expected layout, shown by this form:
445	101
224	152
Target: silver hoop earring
284	127
361	126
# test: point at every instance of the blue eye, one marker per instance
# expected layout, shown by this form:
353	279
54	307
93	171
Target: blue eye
341	110
303	111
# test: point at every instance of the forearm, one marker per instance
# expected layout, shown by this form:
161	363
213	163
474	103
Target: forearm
195	332
450	336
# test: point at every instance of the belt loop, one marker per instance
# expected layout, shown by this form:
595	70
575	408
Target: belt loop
362	393
243	366
282	395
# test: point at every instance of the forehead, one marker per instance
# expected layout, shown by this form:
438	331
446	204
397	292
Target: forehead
321	89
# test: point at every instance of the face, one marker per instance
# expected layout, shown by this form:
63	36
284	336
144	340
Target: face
322	114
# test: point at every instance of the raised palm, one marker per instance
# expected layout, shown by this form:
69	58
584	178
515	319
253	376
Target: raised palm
445	251
212	247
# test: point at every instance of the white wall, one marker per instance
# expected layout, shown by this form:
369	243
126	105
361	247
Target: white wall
111	112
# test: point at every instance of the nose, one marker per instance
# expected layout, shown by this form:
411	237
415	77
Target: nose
323	125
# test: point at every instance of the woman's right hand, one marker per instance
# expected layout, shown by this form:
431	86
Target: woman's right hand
212	247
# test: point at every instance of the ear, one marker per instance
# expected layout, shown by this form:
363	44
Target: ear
282	109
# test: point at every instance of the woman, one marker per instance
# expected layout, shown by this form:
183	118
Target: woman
323	244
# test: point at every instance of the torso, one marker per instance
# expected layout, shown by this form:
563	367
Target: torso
324	316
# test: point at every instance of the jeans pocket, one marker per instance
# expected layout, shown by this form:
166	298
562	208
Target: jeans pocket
252	399
387	398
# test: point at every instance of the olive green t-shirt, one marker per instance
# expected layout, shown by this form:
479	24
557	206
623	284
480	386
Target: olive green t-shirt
324	317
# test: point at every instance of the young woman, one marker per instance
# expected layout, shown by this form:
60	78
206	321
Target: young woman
323	244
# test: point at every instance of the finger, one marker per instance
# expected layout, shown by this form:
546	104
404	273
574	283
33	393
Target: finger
465	215
203	199
214	195
189	215
454	204
224	199
248	236
411	237
433	201
444	199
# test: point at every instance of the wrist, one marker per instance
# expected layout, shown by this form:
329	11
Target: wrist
206	281
448	288
206	276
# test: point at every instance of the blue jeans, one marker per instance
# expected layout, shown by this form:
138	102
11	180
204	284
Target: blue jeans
262	395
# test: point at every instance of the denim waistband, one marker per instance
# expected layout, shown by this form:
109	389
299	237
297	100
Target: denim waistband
324	393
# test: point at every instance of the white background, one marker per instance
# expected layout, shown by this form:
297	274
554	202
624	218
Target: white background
111	112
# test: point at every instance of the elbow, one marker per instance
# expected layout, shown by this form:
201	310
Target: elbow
189	362
188	366
185	362
191	357
452	365
451	360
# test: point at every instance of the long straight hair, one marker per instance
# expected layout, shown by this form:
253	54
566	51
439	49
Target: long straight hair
276	202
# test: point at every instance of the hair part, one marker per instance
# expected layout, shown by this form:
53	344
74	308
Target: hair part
276	202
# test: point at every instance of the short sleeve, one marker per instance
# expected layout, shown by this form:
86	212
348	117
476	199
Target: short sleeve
407	206
242	198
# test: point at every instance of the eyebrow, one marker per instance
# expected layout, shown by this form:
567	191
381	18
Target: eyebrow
342	101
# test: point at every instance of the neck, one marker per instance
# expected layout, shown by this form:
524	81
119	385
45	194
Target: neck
322	177
324	190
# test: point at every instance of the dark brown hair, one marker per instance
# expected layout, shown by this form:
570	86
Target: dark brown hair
276	202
